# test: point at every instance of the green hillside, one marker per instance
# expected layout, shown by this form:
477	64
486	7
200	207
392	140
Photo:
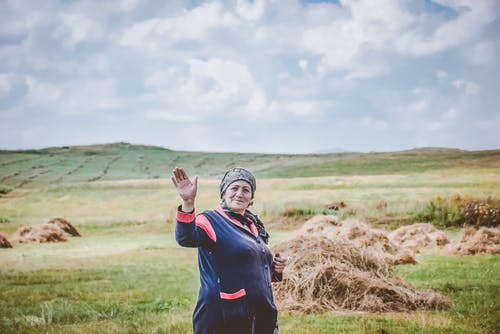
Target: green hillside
119	161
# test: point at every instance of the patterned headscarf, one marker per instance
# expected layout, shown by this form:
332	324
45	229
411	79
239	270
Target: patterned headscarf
237	174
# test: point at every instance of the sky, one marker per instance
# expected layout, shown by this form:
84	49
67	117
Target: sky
269	76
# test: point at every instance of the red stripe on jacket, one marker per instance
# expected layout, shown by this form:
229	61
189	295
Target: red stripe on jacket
253	228
185	217
203	223
237	294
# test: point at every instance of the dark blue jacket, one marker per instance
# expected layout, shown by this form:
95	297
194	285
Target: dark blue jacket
235	272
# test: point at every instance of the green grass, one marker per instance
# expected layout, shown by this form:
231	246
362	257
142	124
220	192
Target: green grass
132	277
34	168
471	281
127	274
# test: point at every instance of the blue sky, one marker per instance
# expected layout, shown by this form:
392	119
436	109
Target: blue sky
251	76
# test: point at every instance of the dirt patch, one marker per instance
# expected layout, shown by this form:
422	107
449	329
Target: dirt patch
54	230
485	240
418	236
4	243
334	265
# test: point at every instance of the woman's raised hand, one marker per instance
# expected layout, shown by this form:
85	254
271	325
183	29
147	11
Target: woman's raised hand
185	187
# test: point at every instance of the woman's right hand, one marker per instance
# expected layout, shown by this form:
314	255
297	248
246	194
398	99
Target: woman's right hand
185	187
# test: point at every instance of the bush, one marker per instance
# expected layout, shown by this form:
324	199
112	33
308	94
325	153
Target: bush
480	213
306	212
457	212
4	190
294	212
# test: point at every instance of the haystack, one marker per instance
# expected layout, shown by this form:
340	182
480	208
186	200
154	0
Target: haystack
334	265
38	233
4	243
54	230
418	236
471	241
65	226
361	235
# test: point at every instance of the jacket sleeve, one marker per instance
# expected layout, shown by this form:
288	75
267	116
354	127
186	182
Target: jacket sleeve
194	230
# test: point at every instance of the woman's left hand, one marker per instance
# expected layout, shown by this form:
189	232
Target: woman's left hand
279	263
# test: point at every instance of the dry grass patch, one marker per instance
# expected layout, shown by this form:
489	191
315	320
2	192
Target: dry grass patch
54	230
418	236
4	243
485	240
361	235
337	265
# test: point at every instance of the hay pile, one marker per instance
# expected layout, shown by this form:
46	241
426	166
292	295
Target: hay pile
54	230
327	271
65	226
4	243
471	241
418	236
361	235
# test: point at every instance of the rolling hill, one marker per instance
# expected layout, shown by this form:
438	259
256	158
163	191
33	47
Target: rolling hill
120	161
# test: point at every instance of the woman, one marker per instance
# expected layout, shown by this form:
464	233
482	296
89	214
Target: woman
236	266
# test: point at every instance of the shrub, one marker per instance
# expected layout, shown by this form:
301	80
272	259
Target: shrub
458	211
4	190
294	212
480	213
306	212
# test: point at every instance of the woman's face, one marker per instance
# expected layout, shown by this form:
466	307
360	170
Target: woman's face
238	196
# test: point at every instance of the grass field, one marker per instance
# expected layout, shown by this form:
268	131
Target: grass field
127	274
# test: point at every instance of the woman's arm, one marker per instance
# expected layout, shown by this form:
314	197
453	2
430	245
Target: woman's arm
190	230
185	187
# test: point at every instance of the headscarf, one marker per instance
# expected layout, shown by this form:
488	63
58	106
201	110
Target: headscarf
237	174
241	174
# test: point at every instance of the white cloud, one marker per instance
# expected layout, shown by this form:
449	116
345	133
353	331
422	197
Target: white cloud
304	64
17	21
194	25
257	105
434	126
367	71
419	106
469	87
129	5
162	115
229	76
75	29
451	114
349	43
73	98
472	16
251	10
441	75
484	52
384	68
344	43
371	123
6	83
